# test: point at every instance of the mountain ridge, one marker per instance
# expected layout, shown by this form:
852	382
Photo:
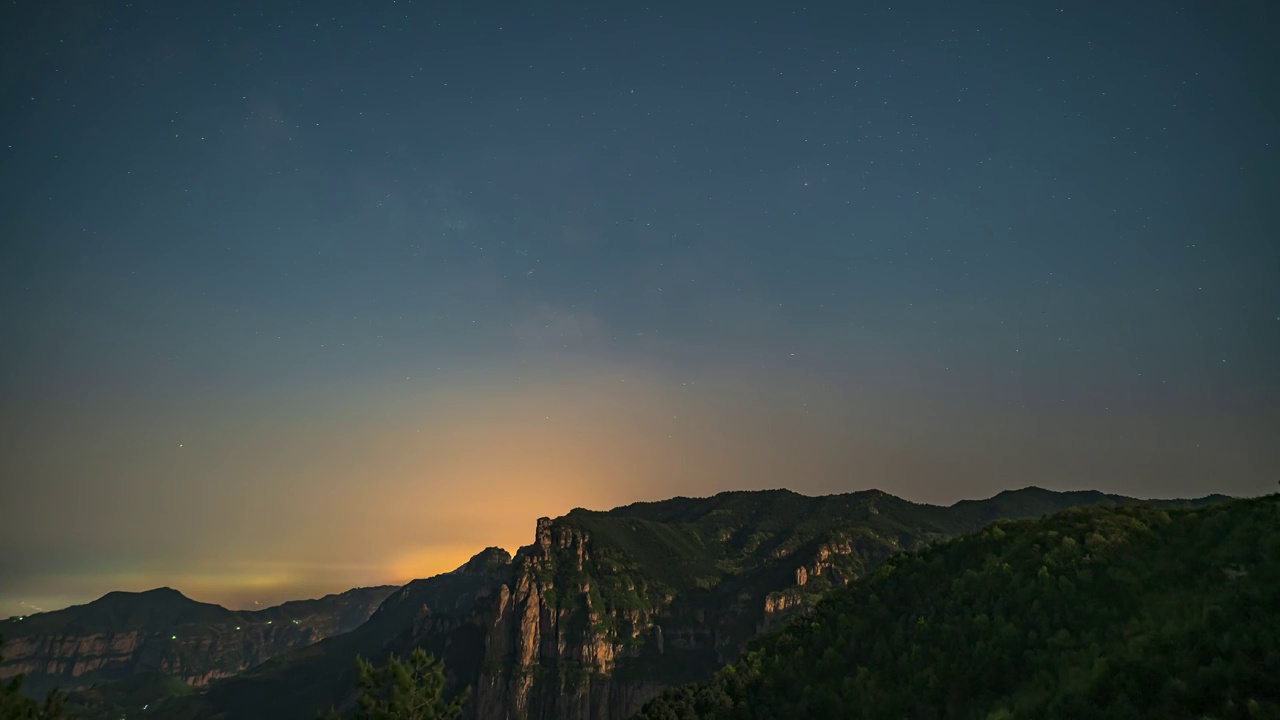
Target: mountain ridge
164	593
1096	611
605	609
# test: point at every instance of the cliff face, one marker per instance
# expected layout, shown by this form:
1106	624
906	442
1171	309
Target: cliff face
553	645
584	633
162	631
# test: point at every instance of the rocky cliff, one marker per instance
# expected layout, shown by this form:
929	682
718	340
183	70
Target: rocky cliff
553	644
163	632
605	610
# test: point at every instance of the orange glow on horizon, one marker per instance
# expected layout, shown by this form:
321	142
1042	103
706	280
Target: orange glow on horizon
426	562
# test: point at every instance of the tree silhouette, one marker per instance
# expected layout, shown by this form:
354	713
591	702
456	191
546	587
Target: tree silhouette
404	690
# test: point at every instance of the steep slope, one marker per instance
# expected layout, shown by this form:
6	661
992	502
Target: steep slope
605	610
162	631
1093	612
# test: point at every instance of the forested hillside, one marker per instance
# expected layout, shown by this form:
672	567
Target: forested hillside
1093	612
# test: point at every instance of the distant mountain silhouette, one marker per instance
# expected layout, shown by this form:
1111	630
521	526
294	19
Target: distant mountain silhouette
159	609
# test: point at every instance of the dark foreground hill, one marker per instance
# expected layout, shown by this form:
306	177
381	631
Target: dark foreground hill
1092	613
164	633
605	610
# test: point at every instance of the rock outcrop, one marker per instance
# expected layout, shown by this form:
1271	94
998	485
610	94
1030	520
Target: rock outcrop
553	644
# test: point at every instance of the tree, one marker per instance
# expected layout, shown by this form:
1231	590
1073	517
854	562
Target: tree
16	706
405	690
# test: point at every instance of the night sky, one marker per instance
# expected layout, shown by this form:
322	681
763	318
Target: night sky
297	296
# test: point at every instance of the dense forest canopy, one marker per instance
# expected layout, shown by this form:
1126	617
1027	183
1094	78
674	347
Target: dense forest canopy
1093	612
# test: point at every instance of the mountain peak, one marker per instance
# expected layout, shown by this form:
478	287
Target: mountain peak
154	595
484	562
164	591
157	609
1023	490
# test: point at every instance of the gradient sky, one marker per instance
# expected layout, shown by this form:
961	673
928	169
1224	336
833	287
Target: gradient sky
296	296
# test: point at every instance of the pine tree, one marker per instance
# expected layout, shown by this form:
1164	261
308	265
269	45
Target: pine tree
405	690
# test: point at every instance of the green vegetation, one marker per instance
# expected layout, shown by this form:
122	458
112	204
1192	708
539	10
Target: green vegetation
15	705
723	558
404	690
697	543
1094	612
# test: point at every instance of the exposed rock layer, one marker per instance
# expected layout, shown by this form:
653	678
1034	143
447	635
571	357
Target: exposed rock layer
162	631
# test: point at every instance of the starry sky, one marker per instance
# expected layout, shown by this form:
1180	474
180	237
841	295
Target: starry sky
297	296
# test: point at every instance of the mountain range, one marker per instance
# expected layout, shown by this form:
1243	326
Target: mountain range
605	611
126	634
